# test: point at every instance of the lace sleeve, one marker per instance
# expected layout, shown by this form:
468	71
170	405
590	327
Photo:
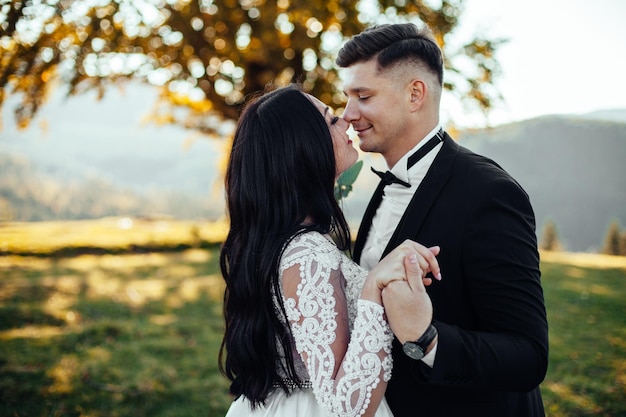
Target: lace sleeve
345	369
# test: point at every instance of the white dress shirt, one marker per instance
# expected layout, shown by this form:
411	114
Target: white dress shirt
395	200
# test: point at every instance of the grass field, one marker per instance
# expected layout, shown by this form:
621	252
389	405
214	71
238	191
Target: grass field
138	335
107	235
130	335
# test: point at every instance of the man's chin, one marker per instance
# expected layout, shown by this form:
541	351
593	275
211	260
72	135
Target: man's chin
363	146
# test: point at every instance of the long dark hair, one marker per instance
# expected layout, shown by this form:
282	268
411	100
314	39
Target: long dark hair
281	171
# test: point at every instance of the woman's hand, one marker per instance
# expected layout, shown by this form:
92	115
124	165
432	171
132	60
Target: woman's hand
392	268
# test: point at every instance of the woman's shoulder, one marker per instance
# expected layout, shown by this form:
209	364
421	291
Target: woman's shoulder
321	246
310	245
311	238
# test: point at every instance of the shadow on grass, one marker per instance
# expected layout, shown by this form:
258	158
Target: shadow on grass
138	335
586	310
112	336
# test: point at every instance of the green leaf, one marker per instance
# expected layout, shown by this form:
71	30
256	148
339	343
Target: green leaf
343	187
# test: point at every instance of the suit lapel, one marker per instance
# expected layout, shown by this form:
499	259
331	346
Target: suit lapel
366	222
425	196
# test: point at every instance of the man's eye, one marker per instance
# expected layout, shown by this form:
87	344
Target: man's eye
363	98
334	120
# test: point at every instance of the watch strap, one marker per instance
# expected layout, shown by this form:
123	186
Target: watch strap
427	338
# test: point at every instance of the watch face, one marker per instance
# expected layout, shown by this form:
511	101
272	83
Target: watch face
412	350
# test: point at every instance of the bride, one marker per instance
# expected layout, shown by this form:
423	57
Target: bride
305	328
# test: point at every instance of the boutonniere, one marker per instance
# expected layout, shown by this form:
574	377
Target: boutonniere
343	186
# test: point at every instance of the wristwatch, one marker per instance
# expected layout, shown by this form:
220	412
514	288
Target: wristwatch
416	350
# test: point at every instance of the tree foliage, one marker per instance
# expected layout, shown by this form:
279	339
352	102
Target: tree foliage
209	55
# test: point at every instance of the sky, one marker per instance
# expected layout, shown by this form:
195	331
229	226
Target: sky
563	56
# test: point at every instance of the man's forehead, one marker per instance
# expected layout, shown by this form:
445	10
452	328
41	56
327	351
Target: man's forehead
360	77
357	85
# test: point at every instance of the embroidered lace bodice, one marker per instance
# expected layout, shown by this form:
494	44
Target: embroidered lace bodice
343	342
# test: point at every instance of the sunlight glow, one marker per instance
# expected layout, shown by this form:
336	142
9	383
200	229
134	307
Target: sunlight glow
63	374
309	59
32	332
332	39
586	260
283	24
223	87
243	36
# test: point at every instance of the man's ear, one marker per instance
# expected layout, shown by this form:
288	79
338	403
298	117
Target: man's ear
417	91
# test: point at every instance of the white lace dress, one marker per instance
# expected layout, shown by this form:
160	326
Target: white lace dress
321	288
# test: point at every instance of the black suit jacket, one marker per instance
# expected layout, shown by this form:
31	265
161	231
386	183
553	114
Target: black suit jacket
489	307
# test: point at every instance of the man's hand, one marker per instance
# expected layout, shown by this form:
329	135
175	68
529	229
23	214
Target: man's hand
408	307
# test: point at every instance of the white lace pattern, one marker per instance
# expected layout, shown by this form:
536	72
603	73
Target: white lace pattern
321	289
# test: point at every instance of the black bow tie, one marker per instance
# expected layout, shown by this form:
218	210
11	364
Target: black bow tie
388	178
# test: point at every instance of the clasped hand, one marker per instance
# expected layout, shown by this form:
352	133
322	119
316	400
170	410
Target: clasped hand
408	259
408	307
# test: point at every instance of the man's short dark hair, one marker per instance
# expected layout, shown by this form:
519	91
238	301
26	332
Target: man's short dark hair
393	43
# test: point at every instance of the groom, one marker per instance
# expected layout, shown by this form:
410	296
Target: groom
476	342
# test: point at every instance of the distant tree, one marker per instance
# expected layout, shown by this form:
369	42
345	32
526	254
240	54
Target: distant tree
612	240
550	238
622	244
208	55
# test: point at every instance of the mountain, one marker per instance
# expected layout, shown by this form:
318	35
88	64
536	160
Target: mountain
28	194
84	144
109	139
85	159
611	115
573	168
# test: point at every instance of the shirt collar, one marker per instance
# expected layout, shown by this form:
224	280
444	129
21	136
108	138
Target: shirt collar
400	168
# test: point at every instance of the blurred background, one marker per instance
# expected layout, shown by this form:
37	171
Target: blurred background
125	109
116	118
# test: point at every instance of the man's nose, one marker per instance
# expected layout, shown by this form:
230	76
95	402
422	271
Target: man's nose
350	113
